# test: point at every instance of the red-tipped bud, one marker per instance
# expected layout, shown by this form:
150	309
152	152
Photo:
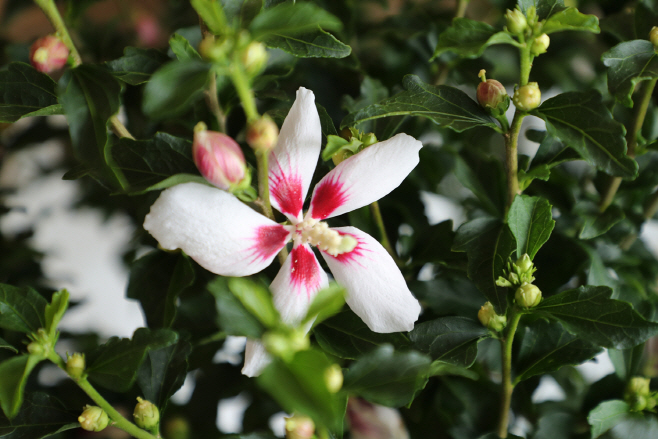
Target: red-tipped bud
491	93
262	134
218	157
48	54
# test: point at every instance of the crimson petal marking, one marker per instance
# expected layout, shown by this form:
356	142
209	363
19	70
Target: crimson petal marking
376	289
285	190
328	196
268	241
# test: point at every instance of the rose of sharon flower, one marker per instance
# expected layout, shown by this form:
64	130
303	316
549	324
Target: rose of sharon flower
230	239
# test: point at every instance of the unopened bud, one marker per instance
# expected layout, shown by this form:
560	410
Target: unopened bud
333	378
373	421
286	344
527	97
540	45
218	157
75	365
299	427
492	96
48	54
516	21
340	156
638	386
488	317
653	37
215	49
368	139
254	58
262	134
524	263
93	419
146	414
527	296
36	348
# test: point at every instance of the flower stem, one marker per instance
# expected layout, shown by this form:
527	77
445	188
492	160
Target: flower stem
631	139
461	8
264	193
512	158
117	419
507	385
379	220
241	83
51	11
526	63
213	103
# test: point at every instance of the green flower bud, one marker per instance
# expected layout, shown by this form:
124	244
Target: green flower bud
333	378
516	21
524	263
527	296
637	403
540	45
215	49
75	365
638	386
488	317
146	414
299	427
262	134
286	344
514	279
651	402
254	58
36	348
93	419
653	37
368	139
340	156
527	97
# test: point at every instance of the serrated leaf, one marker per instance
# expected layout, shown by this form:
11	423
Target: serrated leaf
256	299
582	122
290	19
629	63
546	346
212	14
551	152
14	373
233	317
452	340
488	243
345	335
40	416
114	365
26	92
327	302
136	65
174	88
315	44
387	377
182	48
606	415
163	372
5	345
148	162
571	19
443	105
55	310
21	309
531	222
156	280
545	8
590	313
597	223
469	38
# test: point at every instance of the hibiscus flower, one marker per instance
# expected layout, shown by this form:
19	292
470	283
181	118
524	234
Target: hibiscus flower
228	238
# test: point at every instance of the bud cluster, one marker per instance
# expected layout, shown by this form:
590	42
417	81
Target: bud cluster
225	49
40	344
639	396
350	142
528	29
520	275
490	319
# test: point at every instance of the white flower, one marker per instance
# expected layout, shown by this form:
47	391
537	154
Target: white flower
230	239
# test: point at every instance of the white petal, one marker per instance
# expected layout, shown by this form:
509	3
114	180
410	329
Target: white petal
256	358
365	177
293	159
215	229
376	290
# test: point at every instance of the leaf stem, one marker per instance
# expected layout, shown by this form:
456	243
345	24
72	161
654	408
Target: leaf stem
117	419
50	9
213	103
241	83
631	139
507	385
383	237
512	159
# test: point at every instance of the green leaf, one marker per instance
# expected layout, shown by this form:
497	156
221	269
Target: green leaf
629	63
41	416
481	178
581	121
337	143
531	222
315	44
233	317
212	14
90	96
488	243
136	65
627	362
290	19
546	347
299	386
26	92
156	280
606	415
163	372
21	309
346	336
114	365
327	302
387	377
183	49
443	105
469	38
545	8
256	299
14	373
5	345
174	88
589	312
55	310
146	163
452	340
551	152
571	19
597	223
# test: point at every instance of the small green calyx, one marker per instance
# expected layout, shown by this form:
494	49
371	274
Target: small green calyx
527	97
75	365
527	296
93	418
215	49
518	273
146	414
489	319
348	144
40	344
254	58
516	21
653	37
540	45
639	396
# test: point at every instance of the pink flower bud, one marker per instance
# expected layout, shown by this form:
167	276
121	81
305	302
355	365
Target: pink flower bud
218	157
372	421
48	54
491	93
